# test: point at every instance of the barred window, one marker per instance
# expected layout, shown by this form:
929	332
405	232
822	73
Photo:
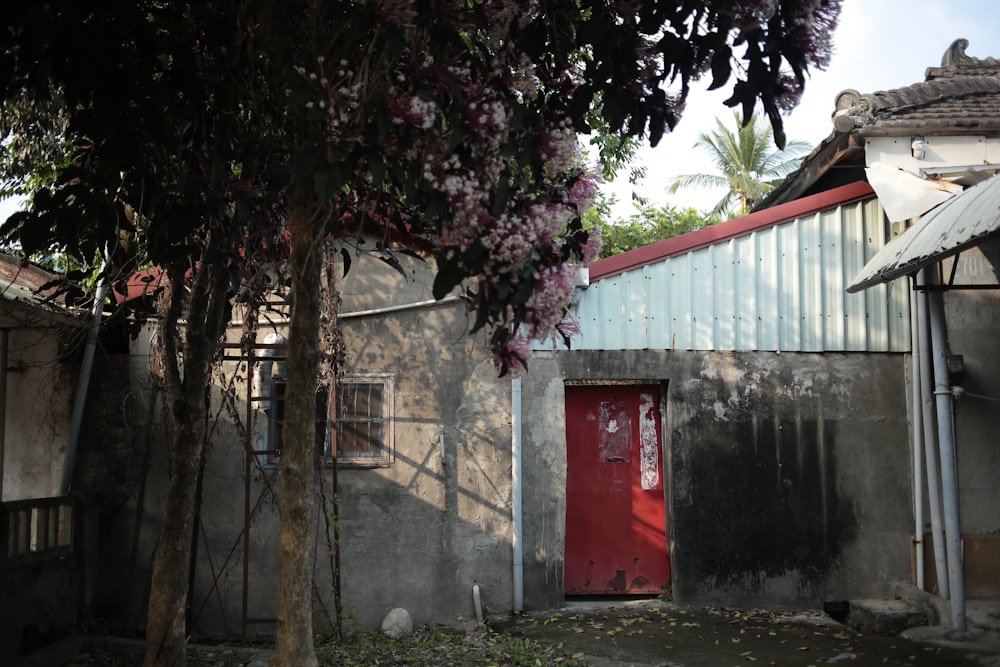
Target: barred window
364	421
364	425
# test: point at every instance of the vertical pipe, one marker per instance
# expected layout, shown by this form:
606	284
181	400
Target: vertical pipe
949	474
515	445
4	337
337	588
247	472
918	442
930	443
69	461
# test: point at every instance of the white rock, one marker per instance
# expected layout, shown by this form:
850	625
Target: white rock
397	623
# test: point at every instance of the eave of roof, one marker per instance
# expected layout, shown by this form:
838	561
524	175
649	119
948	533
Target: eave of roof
959	223
24	284
723	231
961	97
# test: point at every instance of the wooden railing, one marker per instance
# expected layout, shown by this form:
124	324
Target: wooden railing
36	530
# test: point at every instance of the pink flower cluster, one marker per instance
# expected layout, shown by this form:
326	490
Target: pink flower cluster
446	115
413	110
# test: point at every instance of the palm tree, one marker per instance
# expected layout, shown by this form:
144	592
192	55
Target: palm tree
748	163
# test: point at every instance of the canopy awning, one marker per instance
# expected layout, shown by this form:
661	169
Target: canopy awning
959	223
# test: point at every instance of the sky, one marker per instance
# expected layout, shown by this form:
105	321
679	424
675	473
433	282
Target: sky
878	45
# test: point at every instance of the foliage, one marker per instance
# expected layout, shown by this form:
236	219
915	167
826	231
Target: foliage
747	164
453	125
648	224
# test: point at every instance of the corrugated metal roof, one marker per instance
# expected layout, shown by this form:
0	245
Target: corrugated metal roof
701	238
778	287
959	223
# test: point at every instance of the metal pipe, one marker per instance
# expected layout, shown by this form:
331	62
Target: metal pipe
4	338
918	442
930	444
235	324
516	492
69	461
949	474
477	602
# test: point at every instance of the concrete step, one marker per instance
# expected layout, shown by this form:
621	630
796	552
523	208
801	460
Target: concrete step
886	617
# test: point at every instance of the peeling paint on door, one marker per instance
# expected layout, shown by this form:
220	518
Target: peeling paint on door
615	429
649	449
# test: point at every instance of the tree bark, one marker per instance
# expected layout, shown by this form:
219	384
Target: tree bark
294	642
206	311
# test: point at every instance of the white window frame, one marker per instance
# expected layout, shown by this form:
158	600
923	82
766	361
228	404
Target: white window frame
387	450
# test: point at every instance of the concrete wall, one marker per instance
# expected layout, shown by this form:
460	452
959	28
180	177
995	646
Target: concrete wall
973	325
789	473
417	534
40	390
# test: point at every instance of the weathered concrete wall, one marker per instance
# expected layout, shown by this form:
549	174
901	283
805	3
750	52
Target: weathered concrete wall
417	534
789	474
420	533
973	325
40	390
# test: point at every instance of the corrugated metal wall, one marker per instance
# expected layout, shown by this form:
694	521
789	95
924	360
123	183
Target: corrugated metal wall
779	288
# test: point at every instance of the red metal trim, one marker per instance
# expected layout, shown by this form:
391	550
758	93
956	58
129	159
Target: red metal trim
701	238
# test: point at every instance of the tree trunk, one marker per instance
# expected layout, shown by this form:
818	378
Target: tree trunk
165	624
294	645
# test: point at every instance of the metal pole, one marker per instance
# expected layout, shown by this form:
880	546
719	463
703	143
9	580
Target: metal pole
69	461
918	443
949	474
930	444
516	493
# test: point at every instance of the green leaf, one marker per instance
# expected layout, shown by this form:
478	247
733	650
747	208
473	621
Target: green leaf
721	67
391	260
449	276
346	256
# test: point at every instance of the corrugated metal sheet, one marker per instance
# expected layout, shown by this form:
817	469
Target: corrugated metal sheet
776	288
959	223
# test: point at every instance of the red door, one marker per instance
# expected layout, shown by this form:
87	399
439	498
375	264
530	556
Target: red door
616	523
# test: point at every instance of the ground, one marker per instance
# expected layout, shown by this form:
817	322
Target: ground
667	635
643	634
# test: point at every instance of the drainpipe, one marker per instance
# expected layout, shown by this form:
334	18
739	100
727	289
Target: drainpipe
69	461
949	474
930	443
268	369
4	334
918	442
515	446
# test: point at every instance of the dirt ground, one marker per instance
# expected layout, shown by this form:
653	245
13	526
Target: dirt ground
634	634
665	635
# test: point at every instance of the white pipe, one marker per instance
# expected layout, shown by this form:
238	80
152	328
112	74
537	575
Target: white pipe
516	492
69	460
918	443
949	474
266	370
235	324
477	602
930	443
